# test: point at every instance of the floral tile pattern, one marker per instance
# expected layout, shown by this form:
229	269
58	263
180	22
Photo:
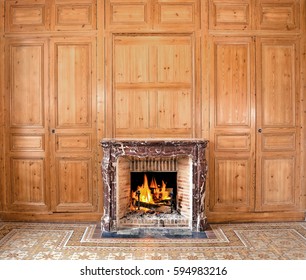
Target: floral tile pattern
58	241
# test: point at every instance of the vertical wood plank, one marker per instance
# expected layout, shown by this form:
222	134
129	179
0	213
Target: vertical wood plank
2	111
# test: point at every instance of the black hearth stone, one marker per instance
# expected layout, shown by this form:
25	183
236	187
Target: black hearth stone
154	233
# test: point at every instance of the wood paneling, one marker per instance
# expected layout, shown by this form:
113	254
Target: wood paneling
74	182
27	15
232	143
153	85
73	142
232	14
21	142
27	191
279	141
278	15
171	14
232	184
277	183
27	100
152	15
2	122
277	118
127	14
74	15
26	80
75	71
73	124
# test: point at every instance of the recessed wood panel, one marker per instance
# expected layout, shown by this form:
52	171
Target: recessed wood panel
280	15
27	142
74	184
174	14
274	193
232	184
229	15
231	142
125	14
73	84
278	82
73	142
26	16
169	114
75	15
280	141
232	88
174	62
26	62
132	62
138	118
27	183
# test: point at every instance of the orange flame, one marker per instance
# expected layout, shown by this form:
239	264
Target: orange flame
146	194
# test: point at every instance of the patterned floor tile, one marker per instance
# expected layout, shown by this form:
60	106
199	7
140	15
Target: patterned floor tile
58	241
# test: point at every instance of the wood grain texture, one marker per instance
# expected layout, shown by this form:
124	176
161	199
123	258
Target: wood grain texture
75	71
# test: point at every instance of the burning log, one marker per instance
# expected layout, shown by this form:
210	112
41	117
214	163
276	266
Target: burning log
147	205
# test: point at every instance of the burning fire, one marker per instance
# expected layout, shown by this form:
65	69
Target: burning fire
151	194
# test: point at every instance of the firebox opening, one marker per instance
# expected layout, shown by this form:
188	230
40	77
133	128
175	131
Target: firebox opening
172	207
154	192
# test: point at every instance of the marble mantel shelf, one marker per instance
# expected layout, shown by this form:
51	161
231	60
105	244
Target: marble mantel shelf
115	148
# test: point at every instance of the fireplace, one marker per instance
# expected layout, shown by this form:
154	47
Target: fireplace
154	184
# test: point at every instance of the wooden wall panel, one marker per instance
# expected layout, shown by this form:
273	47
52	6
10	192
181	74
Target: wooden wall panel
73	142
278	111
74	15
232	184
20	142
123	15
138	119
27	85
170	114
73	91
232	141
2	122
231	83
232	14
278	15
27	15
153	84
277	115
278	183
302	59
26	124
74	180
171	14
280	141
160	59
73	124
27	184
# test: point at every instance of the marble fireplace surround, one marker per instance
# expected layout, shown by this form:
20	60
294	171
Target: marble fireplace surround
115	148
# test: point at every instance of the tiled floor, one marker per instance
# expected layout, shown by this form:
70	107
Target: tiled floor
58	241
